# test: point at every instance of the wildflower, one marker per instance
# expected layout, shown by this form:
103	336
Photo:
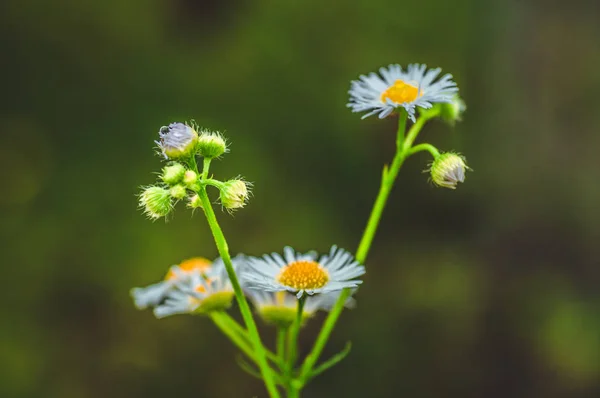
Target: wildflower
156	202
177	140
302	273
211	145
280	308
448	169
397	88
200	293
234	194
173	173
152	295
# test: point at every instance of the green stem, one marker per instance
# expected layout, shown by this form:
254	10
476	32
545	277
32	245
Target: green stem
294	386
206	166
403	146
259	350
232	323
293	335
387	182
293	393
281	332
210	181
424	147
225	327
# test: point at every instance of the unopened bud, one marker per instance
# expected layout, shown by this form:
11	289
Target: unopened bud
211	145
234	194
448	169
190	177
177	140
156	202
173	173
451	112
178	191
195	202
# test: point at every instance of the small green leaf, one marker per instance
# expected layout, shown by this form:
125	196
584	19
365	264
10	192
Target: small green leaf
331	361
246	367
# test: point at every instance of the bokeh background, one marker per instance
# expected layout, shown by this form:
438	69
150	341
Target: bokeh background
487	291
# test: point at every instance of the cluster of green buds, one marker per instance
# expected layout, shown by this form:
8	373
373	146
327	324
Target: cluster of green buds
181	144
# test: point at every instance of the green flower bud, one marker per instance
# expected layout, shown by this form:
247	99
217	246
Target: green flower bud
211	145
219	301
190	177
448	169
451	112
195	202
156	202
177	140
178	191
234	194
173	173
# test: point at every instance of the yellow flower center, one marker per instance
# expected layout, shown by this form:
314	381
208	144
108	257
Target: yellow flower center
400	93
303	275
197	263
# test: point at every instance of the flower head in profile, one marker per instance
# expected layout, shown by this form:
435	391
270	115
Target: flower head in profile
448	169
303	273
199	293
397	88
280	308
177	140
151	296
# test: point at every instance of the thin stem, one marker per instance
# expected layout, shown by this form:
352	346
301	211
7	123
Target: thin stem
281	332
324	334
233	324
387	182
424	147
212	182
234	336
416	128
294	386
293	393
293	335
403	146
259	350
206	166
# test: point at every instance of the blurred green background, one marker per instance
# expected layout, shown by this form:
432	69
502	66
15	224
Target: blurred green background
487	291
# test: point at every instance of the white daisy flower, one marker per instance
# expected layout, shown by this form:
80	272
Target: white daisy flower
410	88
150	296
200	293
302	273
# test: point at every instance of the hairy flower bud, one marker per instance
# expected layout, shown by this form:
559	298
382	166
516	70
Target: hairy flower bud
211	145
448	169
451	112
156	202
173	173
178	191
177	140
190	177
195	202
234	194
